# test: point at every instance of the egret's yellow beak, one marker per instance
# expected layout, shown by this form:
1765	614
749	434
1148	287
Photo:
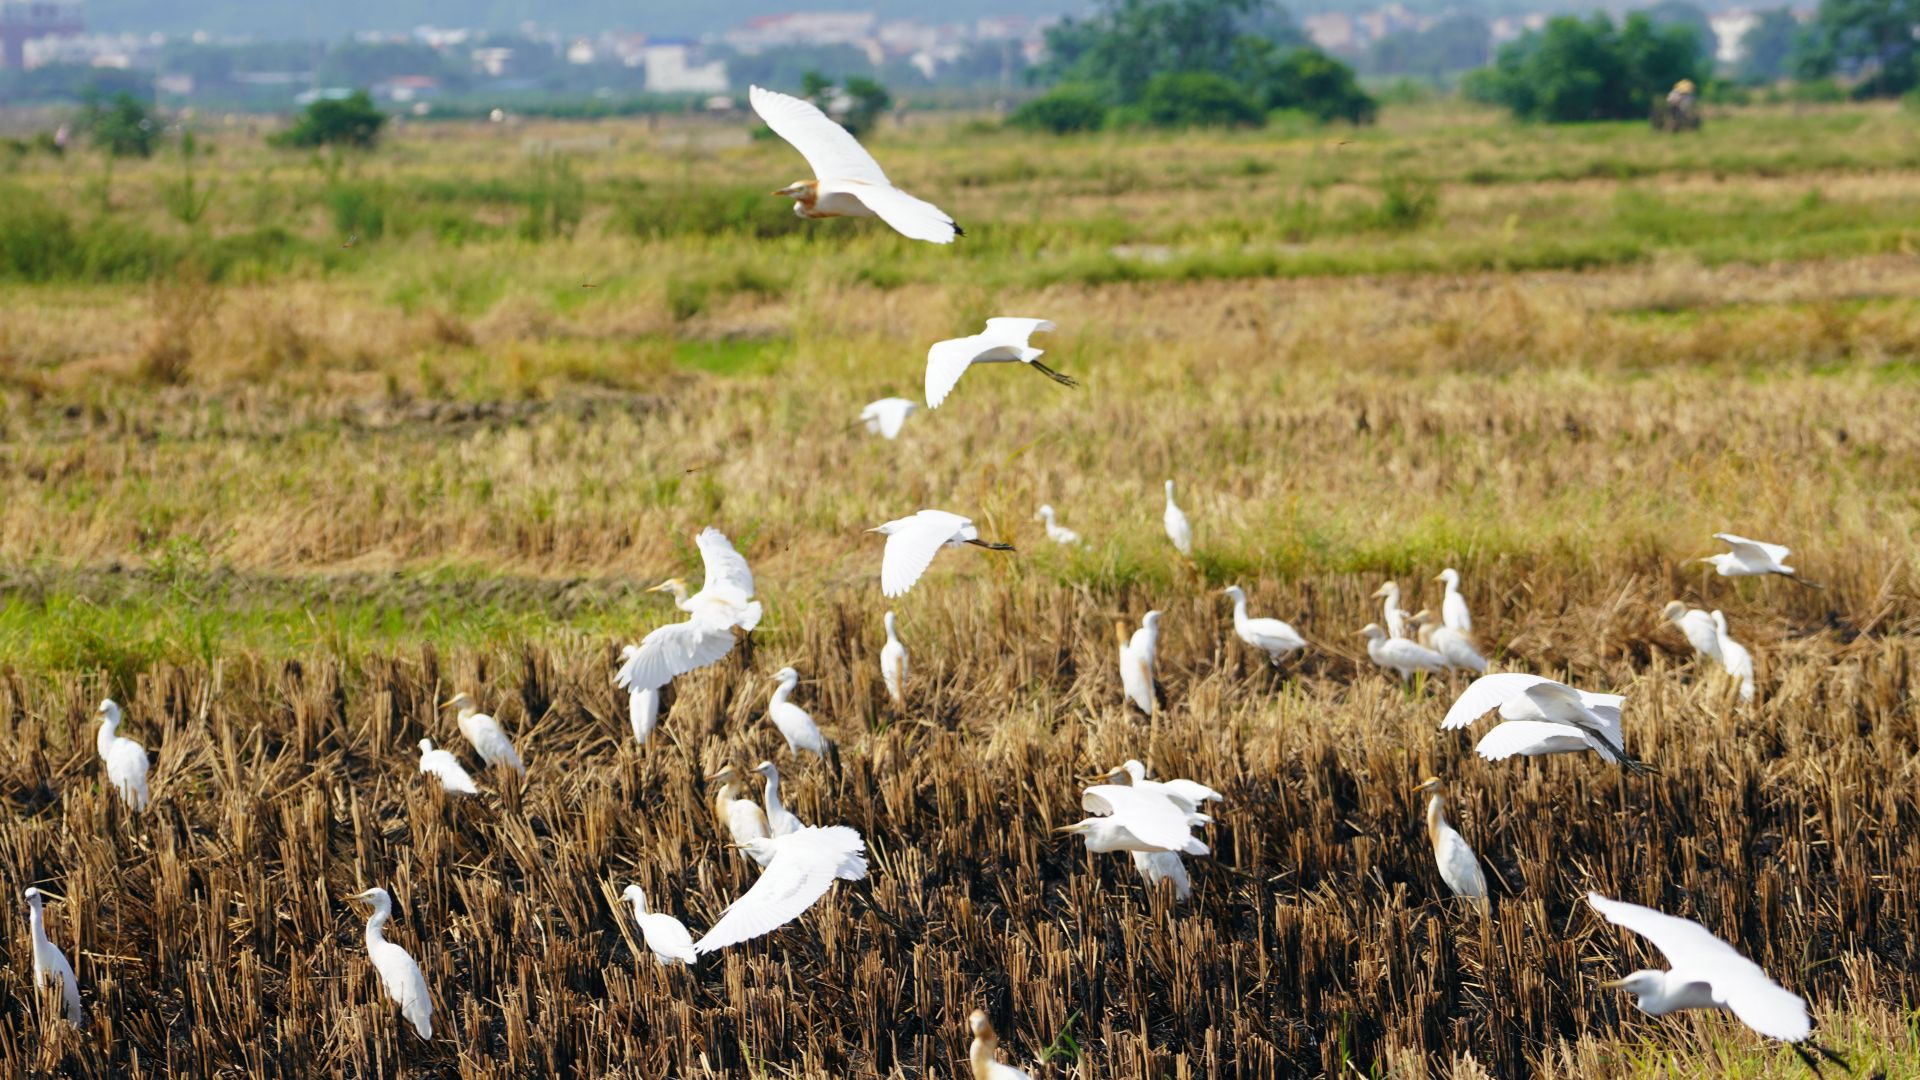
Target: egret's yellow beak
1441	577
1073	828
447	704
1099	776
1429	782
1613	984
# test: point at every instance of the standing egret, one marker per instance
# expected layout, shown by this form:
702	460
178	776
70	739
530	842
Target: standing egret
399	976
1750	558
1004	341
1458	866
1403	656
1734	656
1179	530
795	725
1129	819
50	963
801	866
887	416
780	820
1699	628
981	1052
1541	716
912	542
1270	636
743	818
1137	659
664	934
1056	532
893	666
1708	973
725	601
1390	610
847	181
443	766
1452	644
126	760
1453	607
1189	795
489	739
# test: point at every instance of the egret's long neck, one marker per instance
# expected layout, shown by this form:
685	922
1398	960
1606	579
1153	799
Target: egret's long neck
729	791
381	912
37	923
780	692
102	739
639	907
980	1055
892	639
1436	817
773	793
1240	610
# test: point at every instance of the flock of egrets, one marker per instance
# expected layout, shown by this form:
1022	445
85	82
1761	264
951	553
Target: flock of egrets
1128	811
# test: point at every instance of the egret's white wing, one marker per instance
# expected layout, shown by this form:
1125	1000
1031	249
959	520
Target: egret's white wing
1152	817
405	986
911	548
832	152
1192	791
911	217
1458	866
1407	653
1754	551
1529	737
1485	694
1015	330
802	871
726	569
946	362
672	651
667	935
1696	955
1273	634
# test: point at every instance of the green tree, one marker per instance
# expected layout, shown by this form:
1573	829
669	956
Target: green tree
1313	82
120	125
350	121
1061	111
1588	69
1199	99
1871	41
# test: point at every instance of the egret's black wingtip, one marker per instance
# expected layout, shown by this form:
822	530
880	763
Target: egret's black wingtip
957	230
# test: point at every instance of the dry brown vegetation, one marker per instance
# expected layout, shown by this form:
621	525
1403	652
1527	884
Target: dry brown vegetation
281	516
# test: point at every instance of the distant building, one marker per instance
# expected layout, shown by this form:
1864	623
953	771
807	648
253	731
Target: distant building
1332	30
802	28
672	70
495	60
404	88
22	21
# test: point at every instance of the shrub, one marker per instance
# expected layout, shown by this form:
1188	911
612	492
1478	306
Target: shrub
1313	82
121	126
1587	69
350	121
1062	111
1199	99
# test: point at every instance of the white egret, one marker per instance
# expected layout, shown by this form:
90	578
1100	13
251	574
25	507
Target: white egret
1708	973
1403	656
1459	868
780	820
981	1052
795	725
1056	532
912	542
1270	636
1734	656
1453	607
50	963
801	866
1189	795
1179	530
847	181
1541	716
1137	659
1698	627
1004	341
443	766
1452	644
489	739
893	666
643	711
742	818
1390	610
399	976
725	601
126	760
1129	819
1751	558
664	934
887	416
1155	867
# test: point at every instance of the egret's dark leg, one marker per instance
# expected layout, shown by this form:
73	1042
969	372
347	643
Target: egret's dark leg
1063	380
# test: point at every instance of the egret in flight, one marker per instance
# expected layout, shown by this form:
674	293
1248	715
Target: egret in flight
1750	558
1138	655
887	416
643	708
1541	716
664	934
912	542
489	739
50	963
981	1052
800	868
1004	341
1056	532
893	666
126	760
399	976
725	601
796	726
1459	868
1452	644
1270	636
443	766
1402	656
1453	607
1129	819
1734	656
742	818
1390	610
1708	973
847	181
1189	795
780	820
1179	530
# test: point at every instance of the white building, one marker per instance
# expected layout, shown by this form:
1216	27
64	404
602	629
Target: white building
1729	32
671	70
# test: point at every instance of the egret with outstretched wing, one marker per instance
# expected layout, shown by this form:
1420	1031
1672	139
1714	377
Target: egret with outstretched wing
801	867
846	182
1004	341
912	542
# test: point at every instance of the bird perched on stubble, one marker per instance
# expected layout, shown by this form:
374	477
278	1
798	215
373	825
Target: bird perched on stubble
126	760
489	739
49	962
981	1053
665	935
893	665
1459	868
399	975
